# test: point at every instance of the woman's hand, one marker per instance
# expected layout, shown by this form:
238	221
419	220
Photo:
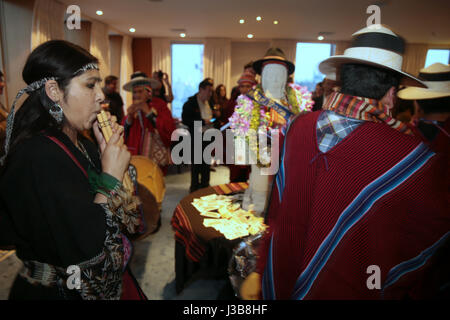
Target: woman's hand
114	154
98	133
136	106
99	136
116	157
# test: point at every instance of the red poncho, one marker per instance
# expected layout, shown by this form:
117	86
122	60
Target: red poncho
378	198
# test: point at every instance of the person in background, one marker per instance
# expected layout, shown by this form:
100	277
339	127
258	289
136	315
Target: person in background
404	110
431	123
329	85
211	100
432	105
220	103
238	173
2	86
164	89
197	108
317	97
248	68
113	98
148	123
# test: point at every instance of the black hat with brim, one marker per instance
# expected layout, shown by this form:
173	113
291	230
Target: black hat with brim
276	55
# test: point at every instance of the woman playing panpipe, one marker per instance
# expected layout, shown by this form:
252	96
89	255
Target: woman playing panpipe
63	204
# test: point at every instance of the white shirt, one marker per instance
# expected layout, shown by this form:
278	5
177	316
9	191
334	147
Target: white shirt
205	109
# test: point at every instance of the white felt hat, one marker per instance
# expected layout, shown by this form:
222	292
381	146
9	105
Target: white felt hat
436	77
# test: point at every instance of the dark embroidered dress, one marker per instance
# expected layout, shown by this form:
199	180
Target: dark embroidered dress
48	213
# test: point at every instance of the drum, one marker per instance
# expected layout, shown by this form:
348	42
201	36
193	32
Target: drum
151	190
151	213
150	175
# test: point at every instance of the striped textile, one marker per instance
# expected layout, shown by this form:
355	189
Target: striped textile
362	109
353	213
413	264
315	208
268	290
356	210
184	232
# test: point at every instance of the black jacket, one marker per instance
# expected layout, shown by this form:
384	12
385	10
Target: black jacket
191	112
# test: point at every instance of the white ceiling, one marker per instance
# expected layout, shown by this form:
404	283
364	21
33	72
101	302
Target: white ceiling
416	20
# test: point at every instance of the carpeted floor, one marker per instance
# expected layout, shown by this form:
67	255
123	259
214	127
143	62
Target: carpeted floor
153	261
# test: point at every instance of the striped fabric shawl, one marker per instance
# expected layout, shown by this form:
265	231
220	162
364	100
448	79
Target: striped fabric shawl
363	109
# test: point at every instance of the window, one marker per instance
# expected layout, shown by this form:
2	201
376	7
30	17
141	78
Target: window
187	73
437	55
307	60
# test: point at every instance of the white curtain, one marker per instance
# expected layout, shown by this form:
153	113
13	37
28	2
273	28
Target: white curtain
414	57
161	56
48	22
126	69
100	46
217	61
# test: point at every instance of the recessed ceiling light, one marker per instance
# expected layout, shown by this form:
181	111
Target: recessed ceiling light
241	21
275	22
99	12
258	18
182	35
132	30
320	38
249	36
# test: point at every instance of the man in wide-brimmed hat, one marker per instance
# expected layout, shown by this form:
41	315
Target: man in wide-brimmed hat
432	105
357	211
432	123
148	123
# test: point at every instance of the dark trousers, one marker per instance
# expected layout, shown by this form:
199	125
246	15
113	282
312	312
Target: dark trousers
239	173
200	174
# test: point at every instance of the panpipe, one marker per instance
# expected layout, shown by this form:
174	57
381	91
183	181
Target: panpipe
105	126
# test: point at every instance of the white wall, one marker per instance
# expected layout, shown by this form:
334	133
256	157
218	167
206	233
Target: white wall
241	54
115	47
81	37
16	23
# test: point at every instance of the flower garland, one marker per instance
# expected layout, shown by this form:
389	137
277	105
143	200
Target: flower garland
249	115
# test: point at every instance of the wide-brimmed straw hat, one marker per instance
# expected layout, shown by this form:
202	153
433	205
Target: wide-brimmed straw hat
140	79
377	46
436	77
273	55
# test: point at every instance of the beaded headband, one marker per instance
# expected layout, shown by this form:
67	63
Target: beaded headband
30	88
